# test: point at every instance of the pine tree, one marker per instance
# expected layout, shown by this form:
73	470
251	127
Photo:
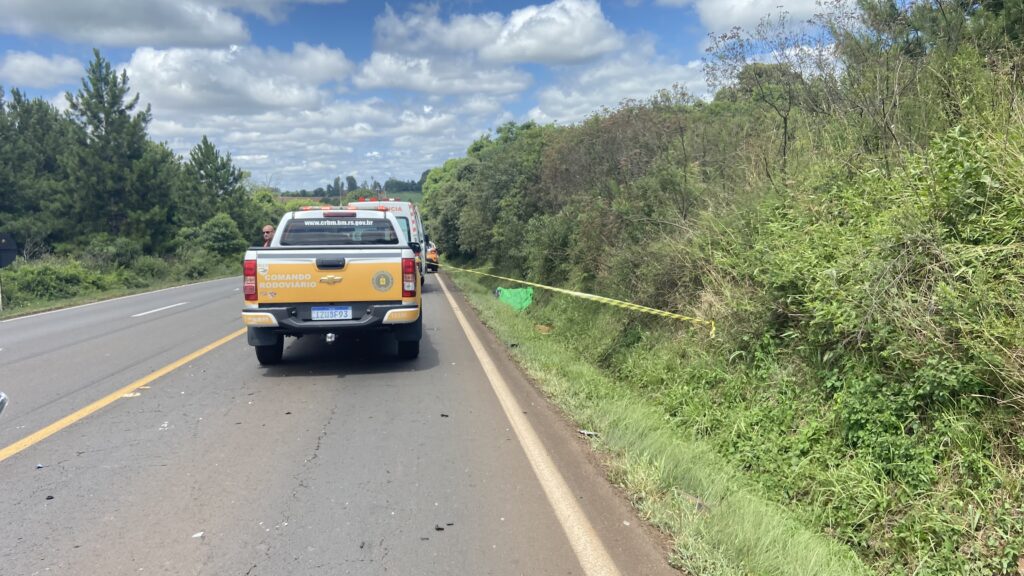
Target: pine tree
120	181
212	184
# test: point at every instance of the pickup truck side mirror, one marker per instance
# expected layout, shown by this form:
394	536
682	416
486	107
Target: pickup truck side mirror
415	246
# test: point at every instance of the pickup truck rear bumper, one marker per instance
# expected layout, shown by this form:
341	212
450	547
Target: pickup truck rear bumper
296	318
267	323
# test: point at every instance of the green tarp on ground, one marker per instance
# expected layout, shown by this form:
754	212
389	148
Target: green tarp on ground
518	298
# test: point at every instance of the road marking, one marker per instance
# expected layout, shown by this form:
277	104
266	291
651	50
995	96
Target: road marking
107	300
159	309
110	398
590	551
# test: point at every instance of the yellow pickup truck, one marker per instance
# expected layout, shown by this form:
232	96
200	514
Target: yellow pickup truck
330	271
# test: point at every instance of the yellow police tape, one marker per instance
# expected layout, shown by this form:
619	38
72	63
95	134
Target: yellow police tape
595	298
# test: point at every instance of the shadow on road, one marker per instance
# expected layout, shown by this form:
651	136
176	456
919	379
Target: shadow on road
367	354
431	284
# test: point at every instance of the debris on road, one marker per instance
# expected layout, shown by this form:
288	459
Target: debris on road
131	395
39	466
444	415
49	497
198	535
587	433
438	527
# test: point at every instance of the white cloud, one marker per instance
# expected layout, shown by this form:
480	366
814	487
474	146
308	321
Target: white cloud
237	79
272	10
637	74
28	69
299	147
421	31
478	105
415	124
125	22
721	15
141	22
438	76
418	50
565	31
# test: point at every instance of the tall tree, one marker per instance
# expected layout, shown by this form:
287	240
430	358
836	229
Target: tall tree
733	61
350	181
213	185
114	191
33	137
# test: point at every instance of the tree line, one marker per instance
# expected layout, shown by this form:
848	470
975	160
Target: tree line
95	204
92	175
351	188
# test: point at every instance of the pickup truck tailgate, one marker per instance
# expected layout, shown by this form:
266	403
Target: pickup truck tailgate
306	276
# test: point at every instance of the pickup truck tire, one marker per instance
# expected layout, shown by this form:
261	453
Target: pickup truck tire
409	350
271	354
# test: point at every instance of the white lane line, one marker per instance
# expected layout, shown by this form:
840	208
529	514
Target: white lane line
107	300
590	551
159	309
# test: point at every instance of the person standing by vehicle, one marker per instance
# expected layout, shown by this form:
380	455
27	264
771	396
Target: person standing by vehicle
268	235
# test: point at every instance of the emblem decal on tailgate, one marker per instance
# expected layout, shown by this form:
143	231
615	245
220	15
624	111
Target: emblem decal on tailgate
383	281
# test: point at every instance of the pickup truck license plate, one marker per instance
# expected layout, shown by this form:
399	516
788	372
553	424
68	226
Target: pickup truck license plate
332	312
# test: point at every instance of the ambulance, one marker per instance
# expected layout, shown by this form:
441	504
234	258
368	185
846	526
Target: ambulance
409	219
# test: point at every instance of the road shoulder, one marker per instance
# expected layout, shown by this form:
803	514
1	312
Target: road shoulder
631	541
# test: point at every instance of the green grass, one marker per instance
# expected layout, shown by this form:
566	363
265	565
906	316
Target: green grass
45	305
719	521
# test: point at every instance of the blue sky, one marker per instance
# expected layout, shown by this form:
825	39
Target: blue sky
301	91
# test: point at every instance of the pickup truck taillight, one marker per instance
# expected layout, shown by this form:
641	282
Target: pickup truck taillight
408	277
249	280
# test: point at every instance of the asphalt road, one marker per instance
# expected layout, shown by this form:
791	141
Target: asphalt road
341	460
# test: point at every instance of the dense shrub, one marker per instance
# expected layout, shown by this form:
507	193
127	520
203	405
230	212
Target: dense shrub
48	279
193	263
113	252
151	267
220	236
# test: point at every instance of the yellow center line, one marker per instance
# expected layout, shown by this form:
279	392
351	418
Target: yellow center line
110	398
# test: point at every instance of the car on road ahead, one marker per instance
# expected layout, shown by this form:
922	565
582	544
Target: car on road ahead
432	259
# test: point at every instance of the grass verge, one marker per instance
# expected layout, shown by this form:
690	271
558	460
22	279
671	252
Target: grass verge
720	523
46	305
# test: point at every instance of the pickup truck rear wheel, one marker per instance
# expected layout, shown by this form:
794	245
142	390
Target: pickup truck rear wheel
409	350
270	354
